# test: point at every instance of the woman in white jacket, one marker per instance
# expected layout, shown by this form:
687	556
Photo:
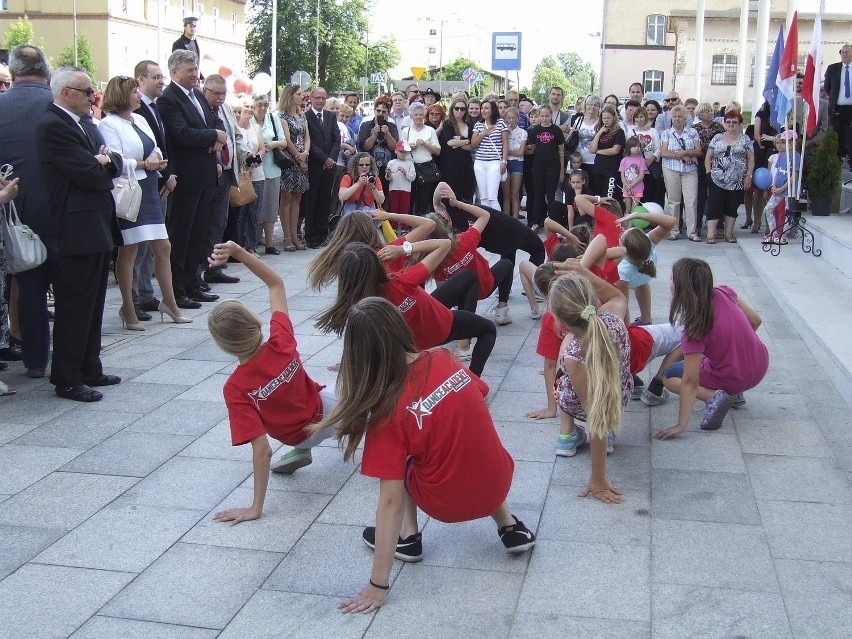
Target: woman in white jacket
128	133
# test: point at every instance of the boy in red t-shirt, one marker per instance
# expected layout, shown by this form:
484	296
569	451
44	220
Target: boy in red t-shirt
269	393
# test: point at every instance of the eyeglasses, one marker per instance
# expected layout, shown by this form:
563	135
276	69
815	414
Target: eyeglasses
155	77
219	94
89	92
6	83
732	121
670	100
460	109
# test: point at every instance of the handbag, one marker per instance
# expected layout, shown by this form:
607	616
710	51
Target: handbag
281	158
127	193
573	140
243	193
427	172
24	248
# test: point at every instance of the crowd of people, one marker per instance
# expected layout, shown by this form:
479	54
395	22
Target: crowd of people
391	202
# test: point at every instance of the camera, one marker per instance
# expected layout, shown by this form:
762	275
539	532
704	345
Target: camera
381	120
253	159
371	178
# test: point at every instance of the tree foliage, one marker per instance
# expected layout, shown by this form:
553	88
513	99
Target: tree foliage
579	73
21	32
85	59
454	69
343	34
547	73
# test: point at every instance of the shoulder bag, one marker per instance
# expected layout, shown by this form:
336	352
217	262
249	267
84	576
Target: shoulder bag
127	193
427	172
243	193
281	158
573	140
24	248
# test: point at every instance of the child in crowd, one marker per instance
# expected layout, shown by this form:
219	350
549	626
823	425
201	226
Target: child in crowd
400	174
515	168
269	393
578	182
722	355
362	275
428	438
575	163
787	164
633	169
595	357
639	265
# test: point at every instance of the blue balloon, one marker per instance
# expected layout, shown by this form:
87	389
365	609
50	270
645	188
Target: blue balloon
761	178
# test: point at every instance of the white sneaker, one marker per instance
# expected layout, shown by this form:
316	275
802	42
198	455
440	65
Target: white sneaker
536	314
502	316
464	355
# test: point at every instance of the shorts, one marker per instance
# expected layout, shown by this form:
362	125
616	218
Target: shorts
515	166
722	202
329	402
666	338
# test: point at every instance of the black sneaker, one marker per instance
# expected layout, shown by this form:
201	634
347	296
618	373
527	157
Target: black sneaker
638	387
409	550
517	538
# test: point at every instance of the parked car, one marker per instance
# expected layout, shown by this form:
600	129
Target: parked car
366	108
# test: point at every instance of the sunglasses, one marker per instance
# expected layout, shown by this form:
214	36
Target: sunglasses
459	108
6	83
89	92
670	100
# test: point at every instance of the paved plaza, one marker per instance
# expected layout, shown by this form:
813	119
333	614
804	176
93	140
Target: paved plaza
105	509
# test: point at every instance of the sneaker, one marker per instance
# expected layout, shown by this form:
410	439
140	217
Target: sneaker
567	445
610	443
517	538
716	409
650	399
536	314
409	550
292	461
464	355
739	401
502	316
638	387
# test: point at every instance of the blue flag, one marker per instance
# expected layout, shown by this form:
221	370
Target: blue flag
770	88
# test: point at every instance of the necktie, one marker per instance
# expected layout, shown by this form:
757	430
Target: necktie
156	113
319	113
194	100
846	82
226	155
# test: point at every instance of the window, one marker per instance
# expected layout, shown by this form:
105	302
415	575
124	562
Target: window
4	5
182	8
655	34
802	60
433	32
724	70
234	24
215	19
652	81
433	50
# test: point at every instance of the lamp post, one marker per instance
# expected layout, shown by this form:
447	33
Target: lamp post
316	62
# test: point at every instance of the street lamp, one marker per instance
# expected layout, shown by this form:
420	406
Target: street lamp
316	62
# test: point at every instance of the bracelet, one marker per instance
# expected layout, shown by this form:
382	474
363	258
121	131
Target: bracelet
375	585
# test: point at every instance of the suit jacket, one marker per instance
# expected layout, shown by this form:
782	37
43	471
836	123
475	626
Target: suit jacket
189	137
833	84
79	187
226	121
325	139
160	138
20	107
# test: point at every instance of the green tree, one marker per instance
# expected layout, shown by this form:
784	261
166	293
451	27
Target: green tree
454	69
85	60
21	32
579	73
547	73
342	50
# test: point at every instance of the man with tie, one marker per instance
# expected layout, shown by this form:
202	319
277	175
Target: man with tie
193	146
215	90
325	147
78	171
151	81
838	84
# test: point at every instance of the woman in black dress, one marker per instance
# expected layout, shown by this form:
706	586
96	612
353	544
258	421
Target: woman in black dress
456	161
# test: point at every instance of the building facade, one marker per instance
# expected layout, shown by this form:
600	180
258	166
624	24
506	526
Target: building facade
123	32
656	46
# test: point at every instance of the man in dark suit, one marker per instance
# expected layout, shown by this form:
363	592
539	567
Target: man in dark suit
151	81
325	147
838	85
78	171
193	144
24	103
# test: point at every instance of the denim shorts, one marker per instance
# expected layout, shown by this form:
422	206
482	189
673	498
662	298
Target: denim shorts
515	166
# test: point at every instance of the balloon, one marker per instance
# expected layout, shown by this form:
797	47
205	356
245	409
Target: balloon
226	72
242	85
640	224
261	83
640	209
653	207
761	178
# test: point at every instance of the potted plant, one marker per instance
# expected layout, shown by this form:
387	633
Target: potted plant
823	175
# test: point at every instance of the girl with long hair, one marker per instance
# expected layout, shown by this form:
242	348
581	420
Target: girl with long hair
490	142
432	323
548	159
607	145
294	181
722	355
595	358
455	160
360	187
428	438
517	148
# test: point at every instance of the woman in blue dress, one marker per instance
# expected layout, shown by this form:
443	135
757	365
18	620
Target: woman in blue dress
129	133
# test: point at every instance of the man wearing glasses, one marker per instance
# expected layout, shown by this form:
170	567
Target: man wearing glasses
378	136
664	120
413	93
5	79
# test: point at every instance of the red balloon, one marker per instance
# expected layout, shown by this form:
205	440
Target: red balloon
242	85
226	71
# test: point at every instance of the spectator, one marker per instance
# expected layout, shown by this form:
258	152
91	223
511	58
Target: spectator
490	140
455	160
515	165
273	138
187	41
559	117
412	91
78	170
435	115
664	120
707	128
474	111
322	163
195	142
513	99
378	136
837	87
296	180
430	97
608	147
654	110
30	73
250	160
424	145
635	93
730	164
8	191
680	150
613	101
359	188
5	78
650	140
691	104
399	113
352	101
587	129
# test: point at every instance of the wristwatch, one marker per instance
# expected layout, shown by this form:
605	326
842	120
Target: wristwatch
406	246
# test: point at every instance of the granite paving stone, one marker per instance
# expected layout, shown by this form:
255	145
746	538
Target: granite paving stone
182	417
703	496
798	530
79	428
131	454
536	626
105	627
19	544
816	595
22	466
805	479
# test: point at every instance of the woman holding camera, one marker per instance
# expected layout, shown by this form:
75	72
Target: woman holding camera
252	162
360	189
378	136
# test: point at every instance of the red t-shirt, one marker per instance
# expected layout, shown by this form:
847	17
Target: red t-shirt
362	196
551	243
605	225
641	345
465	256
429	320
459	470
550	336
392	266
271	393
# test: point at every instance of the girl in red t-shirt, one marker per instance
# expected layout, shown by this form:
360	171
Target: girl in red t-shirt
428	437
269	393
362	275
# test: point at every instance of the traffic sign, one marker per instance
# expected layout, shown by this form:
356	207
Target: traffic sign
378	78
418	72
301	78
506	51
479	77
468	74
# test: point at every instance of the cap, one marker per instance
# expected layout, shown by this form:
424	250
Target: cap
789	134
190	19
432	92
403	146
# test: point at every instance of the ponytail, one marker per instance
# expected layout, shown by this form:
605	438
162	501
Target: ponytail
648	268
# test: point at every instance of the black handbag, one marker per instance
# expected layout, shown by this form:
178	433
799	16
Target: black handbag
573	140
427	173
281	158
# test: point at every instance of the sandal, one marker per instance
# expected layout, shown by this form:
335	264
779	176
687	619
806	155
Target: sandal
711	240
747	224
731	240
674	235
755	231
6	391
694	238
767	240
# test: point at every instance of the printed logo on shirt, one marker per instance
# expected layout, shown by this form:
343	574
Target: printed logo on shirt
266	390
546	137
467	259
407	303
423	406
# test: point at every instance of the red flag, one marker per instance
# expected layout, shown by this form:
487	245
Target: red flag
813	70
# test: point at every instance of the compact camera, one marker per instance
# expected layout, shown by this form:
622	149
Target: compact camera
371	178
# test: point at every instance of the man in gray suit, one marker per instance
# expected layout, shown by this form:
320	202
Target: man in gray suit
20	108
